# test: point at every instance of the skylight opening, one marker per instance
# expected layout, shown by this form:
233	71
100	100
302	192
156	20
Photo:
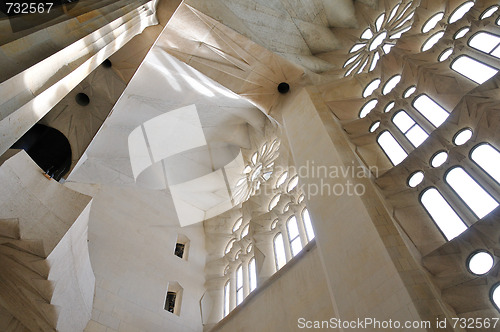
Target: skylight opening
445	54
473	69
389	107
274	202
460	33
281	179
308	224
431	110
356	47
391	147
375	59
488	158
460	11
293	183
369	106
486	42
415	179
432	41
415	134
367	34
408	92
237	224
293	234
488	12
431	22
279	251
438	159
391	84
476	198
379	22
374	126
372	86
442	213
480	262
462	136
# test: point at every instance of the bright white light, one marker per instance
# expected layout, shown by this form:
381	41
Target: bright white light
391	147
416	135
274	202
356	47
484	41
367	34
387	48
445	55
439	159
229	246
371	87
443	215
254	158
460	33
274	224
349	61
460	11
431	22
391	83
462	136
364	65
408	92
301	199
377	41
397	35
293	183
488	12
379	22
488	158
415	179
393	12
227	296
279	251
281	179
403	121
308	224
473	69
430	109
389	107
239	285
471	192
237	224
256	172
495	296
432	41
369	106
252	274
375	59
374	126
244	232
480	262
293	234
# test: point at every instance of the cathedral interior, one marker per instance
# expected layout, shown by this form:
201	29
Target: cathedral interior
237	165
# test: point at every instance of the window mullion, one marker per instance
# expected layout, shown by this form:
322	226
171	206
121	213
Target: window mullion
457	204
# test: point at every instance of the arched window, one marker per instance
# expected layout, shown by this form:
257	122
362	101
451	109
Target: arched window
281	179
372	86
442	213
229	246
460	11
279	251
488	158
391	147
293	235
308	224
431	110
294	181
415	134
227	297
244	232
237	224
274	201
252	274
239	285
391	84
476	198
473	69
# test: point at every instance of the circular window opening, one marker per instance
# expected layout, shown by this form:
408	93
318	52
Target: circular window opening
439	158
374	126
82	99
462	136
107	63
283	87
495	295
415	178
445	54
480	262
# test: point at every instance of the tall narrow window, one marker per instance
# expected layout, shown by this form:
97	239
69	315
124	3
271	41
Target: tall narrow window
227	297
430	109
239	285
252	274
391	147
279	251
486	42
470	192
415	134
488	158
308	224
293	234
473	69
442	213
170	302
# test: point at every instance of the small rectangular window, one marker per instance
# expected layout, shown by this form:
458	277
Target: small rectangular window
179	250
170	302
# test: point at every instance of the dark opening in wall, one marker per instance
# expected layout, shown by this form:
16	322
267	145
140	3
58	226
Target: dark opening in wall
107	63
82	99
179	249
48	148
170	302
283	87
